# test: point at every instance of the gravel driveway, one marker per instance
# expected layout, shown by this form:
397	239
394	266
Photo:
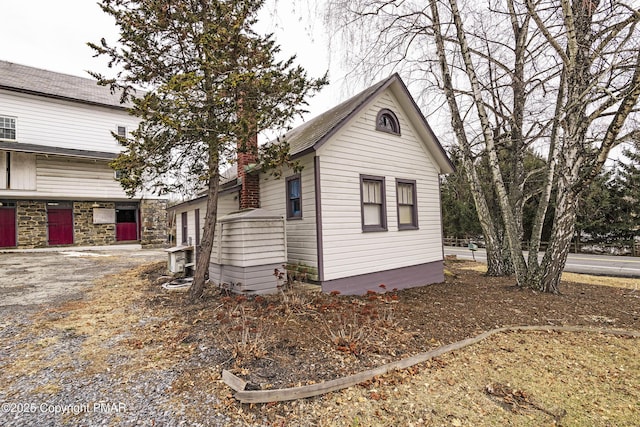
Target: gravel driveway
48	375
44	277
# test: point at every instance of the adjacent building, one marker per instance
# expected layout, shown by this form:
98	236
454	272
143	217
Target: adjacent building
56	185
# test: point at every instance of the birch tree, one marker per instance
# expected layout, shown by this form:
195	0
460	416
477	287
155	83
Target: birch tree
212	83
561	77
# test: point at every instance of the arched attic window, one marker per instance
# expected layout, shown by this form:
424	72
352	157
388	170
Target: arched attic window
387	122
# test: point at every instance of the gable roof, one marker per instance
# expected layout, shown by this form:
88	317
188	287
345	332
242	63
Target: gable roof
311	135
36	81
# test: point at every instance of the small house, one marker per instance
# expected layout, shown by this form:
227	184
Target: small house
364	211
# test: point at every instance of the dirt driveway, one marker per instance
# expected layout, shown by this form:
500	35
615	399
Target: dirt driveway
31	278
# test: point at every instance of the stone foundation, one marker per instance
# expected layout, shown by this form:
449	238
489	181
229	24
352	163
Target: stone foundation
31	218
85	232
153	214
32	224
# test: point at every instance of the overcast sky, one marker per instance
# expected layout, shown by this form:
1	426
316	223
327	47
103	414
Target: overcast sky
52	35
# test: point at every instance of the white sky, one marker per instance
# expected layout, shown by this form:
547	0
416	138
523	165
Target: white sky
52	35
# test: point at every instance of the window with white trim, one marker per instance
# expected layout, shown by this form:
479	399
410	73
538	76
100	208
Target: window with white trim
7	127
407	204
373	204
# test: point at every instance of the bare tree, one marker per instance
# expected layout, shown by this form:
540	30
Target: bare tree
559	77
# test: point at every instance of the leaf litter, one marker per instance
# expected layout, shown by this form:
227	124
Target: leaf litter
302	337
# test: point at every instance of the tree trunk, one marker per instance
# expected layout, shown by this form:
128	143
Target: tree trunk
495	266
510	223
546	277
206	244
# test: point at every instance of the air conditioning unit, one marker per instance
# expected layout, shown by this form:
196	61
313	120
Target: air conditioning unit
177	259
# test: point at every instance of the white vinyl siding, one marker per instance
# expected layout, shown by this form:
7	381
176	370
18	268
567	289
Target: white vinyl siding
301	233
58	177
361	150
74	178
227	203
250	243
64	124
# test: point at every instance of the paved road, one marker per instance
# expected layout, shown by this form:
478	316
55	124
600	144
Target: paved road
621	266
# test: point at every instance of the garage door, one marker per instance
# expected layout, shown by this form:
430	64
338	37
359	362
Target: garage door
7	225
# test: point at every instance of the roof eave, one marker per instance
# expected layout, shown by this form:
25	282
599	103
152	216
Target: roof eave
56	151
63	98
440	156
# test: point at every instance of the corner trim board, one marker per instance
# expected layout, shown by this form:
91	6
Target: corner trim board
319	237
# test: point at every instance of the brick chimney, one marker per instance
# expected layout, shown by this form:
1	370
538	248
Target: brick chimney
250	191
247	159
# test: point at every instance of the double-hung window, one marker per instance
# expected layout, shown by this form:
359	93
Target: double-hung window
407	204
294	197
373	205
7	127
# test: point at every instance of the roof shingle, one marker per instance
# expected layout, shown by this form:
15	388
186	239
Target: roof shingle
36	81
306	136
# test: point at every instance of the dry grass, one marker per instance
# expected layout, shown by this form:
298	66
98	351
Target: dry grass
569	379
587	279
616	282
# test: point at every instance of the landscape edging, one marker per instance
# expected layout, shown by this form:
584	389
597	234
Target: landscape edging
294	393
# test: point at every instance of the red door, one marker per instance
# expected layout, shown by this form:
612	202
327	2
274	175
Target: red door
7	227
60	226
126	224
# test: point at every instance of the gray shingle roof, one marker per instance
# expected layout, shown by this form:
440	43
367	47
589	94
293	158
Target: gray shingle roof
312	134
21	78
309	135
